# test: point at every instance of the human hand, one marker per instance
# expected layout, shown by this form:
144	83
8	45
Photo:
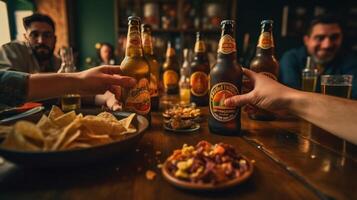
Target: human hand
100	79
266	94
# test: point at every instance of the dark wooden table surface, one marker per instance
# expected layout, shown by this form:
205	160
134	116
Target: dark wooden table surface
293	160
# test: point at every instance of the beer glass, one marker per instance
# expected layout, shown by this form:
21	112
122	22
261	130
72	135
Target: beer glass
69	101
337	85
340	86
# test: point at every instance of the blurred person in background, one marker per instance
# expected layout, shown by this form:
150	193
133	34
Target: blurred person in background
35	53
323	42
105	53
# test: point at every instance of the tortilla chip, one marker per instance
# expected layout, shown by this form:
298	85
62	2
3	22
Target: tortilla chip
108	116
64	120
55	113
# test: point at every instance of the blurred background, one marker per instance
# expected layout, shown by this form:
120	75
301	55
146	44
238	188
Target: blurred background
85	24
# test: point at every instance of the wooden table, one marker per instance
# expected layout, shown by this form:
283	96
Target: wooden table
293	160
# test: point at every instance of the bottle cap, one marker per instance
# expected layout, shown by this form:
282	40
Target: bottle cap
134	18
267	21
227	22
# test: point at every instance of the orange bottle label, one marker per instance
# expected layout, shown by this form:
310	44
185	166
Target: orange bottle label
200	47
265	40
219	93
227	45
170	52
153	86
134	39
146	40
199	83
138	99
170	78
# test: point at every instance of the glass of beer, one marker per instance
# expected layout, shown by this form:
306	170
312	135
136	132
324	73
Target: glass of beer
337	85
340	86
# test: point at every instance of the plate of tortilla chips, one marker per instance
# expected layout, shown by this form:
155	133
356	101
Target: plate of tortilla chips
72	138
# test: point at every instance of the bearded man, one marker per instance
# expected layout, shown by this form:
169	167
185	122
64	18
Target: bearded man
35	53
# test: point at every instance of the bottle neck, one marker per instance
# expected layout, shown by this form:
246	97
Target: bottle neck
133	46
266	42
227	47
147	43
200	47
170	53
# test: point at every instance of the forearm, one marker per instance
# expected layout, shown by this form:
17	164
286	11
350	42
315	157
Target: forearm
335	115
51	85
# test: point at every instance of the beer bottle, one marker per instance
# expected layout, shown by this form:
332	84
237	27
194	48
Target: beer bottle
309	76
225	81
137	98
153	65
265	62
171	71
184	82
199	73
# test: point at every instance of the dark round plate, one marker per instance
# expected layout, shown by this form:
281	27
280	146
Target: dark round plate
208	187
186	130
80	156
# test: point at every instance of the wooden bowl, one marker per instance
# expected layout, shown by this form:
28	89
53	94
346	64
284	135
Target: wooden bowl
208	187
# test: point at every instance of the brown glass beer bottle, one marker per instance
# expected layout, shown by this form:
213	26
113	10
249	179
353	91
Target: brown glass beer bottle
225	81
171	71
265	62
136	99
153	65
200	69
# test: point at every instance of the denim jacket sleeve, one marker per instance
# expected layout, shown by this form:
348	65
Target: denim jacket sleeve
13	87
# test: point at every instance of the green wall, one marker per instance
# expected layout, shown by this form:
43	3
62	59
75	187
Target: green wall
94	22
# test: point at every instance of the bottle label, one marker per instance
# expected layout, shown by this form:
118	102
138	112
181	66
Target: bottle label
227	45
134	39
138	99
153	86
199	83
218	94
200	47
270	75
147	41
265	40
170	52
170	78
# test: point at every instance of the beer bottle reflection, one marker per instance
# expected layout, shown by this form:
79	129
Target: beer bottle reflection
265	62
171	71
225	81
199	73
153	65
136	99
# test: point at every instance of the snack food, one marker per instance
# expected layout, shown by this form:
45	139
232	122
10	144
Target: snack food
60	131
181	116
207	164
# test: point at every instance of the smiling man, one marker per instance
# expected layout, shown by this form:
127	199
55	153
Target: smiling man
35	53
323	42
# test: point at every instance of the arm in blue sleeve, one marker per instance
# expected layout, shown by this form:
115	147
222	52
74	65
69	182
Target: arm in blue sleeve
13	87
290	71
